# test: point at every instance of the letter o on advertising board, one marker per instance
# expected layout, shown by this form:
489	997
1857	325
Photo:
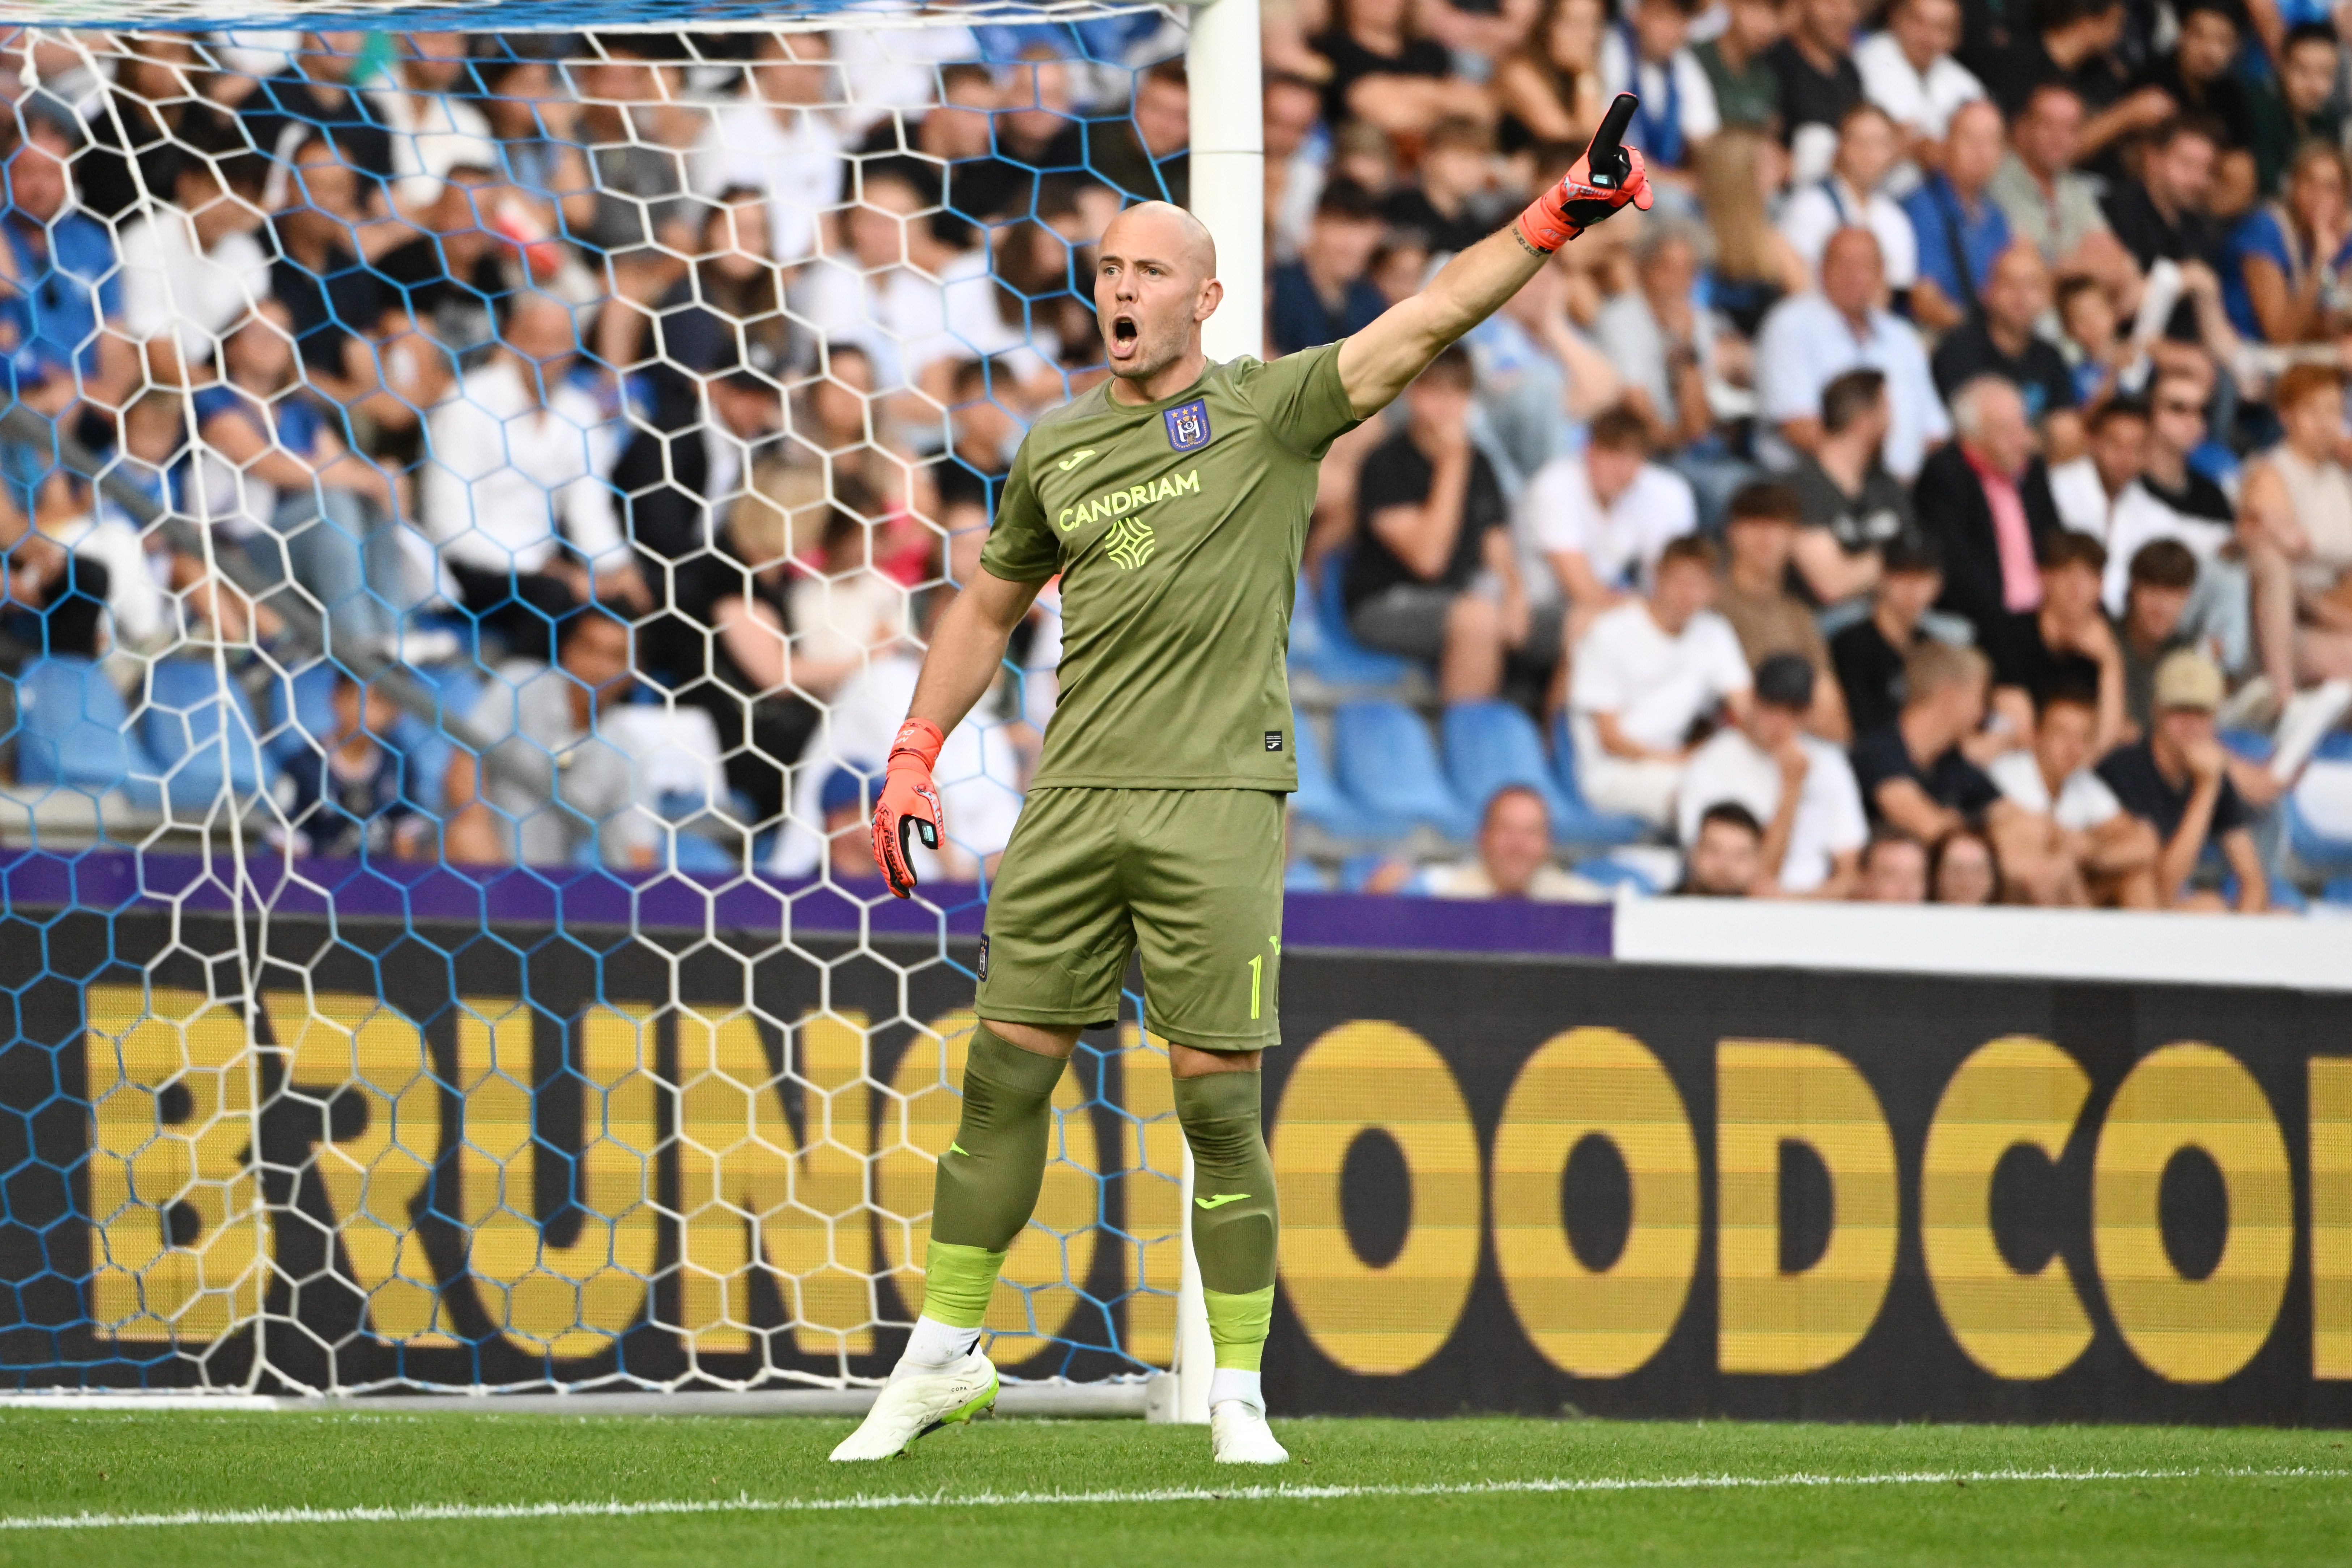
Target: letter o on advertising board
2192	1331
1375	1076
1595	1082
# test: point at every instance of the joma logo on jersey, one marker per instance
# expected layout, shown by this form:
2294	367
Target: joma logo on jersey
1135	498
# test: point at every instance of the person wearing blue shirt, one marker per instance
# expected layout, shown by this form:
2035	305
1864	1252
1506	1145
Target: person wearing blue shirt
1324	295
2276	284
1961	228
60	285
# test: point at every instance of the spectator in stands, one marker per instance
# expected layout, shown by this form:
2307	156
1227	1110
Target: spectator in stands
515	495
2301	106
1431	519
1869	654
62	307
2071	44
350	793
1759	534
1147	155
1383	74
2166	215
336	304
2296	528
1962	868
1893	870
500	809
2199	79
2112	852
1809	340
2001	340
1324	295
1960	227
2284	268
1908	72
1854	194
2153	623
1550	89
1913	772
1755	267
1819	83
1986	501
2066	644
779	138
1648	55
193	268
1451	204
1852	508
2047	202
1646	677
432	126
453	280
1661	341
1514	858
1726	859
848	835
1294	163
313	94
1603	517
1799	789
55	598
1747	88
2176	779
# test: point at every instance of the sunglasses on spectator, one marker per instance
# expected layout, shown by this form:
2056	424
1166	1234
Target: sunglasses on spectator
2196	409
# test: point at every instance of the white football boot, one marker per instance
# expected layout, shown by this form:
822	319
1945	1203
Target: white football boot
920	1403
1238	1435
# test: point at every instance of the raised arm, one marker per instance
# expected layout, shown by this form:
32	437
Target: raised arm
1377	364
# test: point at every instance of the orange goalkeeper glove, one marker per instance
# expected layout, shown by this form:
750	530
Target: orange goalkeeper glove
1576	203
909	803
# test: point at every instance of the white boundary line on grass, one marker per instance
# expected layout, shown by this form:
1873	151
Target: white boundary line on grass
429	1513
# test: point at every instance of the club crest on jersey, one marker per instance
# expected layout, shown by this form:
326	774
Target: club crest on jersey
1188	427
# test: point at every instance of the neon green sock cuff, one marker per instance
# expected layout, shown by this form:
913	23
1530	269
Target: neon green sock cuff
958	1282
1238	1325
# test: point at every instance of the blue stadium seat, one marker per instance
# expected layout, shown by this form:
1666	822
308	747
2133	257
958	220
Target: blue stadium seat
73	731
1492	744
182	728
1319	799
423	749
1612	873
1319	641
2319	814
1582	824
1387	764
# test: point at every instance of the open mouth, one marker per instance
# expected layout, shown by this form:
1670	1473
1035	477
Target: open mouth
1125	335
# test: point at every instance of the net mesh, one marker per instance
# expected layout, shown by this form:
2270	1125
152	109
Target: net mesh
473	505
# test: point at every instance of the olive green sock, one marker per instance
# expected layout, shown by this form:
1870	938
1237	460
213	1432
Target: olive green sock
1234	1215
990	1176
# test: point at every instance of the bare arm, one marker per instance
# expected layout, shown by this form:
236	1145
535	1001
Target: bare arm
1902	803
2178	858
1617	743
472	837
967	647
1424	536
2253	882
1376	362
1828	570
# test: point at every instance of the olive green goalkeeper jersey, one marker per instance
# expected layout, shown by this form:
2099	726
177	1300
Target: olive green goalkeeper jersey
1177	527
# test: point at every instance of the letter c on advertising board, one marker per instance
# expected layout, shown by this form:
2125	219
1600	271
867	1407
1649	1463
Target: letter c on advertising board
1594	1082
2192	1331
1371	1074
2013	1091
1769	1092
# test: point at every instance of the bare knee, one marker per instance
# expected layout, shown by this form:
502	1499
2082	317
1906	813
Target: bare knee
1045	1039
1186	1061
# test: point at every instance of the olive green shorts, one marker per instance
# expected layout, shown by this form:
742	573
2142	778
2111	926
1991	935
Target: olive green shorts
1191	876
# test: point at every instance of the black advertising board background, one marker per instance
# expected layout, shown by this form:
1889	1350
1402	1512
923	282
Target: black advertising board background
1906	1034
1483	1016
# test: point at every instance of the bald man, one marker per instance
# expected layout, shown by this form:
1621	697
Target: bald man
1172	501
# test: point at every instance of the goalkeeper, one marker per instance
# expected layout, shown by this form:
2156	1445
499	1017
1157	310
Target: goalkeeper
1172	501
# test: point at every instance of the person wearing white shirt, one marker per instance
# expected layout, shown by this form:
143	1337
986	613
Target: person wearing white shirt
1853	193
2109	854
1909	70
193	268
433	129
1646	55
1809	339
1646	674
1603	516
1514	858
1800	787
780	139
515	470
883	69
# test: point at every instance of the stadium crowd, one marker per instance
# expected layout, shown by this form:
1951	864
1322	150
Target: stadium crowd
1942	493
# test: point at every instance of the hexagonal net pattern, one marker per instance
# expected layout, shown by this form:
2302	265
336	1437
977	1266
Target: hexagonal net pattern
474	506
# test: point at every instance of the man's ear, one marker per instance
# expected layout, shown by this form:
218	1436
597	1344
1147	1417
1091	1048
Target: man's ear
1212	294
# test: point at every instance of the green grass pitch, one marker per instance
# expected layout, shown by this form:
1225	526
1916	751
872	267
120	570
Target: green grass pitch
1459	1492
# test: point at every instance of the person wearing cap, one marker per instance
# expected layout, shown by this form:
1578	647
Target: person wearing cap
2176	778
1798	788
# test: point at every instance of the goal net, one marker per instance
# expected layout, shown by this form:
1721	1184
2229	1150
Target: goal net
473	505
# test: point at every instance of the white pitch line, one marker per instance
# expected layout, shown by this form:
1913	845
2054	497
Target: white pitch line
427	1513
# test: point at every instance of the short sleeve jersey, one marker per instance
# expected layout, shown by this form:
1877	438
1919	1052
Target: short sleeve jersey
1176	528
